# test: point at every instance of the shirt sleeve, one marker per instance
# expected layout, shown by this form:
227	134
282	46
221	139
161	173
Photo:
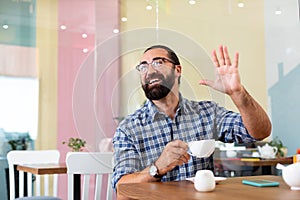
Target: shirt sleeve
231	128
126	158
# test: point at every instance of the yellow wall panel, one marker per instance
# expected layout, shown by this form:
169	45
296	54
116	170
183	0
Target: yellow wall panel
46	43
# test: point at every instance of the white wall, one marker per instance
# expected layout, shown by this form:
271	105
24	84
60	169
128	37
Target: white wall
283	48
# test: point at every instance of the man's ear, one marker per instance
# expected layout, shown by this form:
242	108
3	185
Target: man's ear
178	68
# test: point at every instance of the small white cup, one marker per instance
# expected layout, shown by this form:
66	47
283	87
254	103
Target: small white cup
204	181
255	154
231	153
202	148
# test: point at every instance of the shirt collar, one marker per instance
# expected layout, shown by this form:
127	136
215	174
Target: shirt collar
154	113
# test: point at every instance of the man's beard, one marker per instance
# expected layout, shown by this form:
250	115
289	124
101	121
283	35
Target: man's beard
159	91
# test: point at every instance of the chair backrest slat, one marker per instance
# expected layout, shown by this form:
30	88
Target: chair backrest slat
38	185
29	184
21	184
98	186
109	187
86	164
70	186
86	186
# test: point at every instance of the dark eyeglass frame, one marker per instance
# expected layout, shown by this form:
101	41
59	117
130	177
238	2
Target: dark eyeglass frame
154	64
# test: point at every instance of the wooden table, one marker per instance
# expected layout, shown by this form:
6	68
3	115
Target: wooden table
266	164
231	189
41	169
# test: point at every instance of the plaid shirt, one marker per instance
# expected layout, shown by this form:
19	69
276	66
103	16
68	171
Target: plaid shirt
141	137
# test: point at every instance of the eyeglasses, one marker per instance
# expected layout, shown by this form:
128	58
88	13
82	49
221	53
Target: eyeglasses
156	64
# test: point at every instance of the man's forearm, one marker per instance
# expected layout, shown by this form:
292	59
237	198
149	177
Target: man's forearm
254	117
137	177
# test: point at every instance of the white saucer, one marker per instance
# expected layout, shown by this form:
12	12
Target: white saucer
220	179
217	179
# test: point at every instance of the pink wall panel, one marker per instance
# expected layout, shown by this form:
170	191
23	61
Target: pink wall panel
85	93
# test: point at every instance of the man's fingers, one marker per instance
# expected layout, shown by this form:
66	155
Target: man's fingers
186	157
215	58
226	55
206	82
236	60
221	56
178	144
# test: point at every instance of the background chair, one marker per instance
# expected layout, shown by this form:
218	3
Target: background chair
32	157
88	164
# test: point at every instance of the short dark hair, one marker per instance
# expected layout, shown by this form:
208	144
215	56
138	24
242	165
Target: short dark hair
172	55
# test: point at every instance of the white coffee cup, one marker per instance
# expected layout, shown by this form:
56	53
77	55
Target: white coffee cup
202	148
204	181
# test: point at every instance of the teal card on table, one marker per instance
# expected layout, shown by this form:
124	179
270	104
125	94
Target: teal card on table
261	183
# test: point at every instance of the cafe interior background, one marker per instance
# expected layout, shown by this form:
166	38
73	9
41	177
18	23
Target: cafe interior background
67	67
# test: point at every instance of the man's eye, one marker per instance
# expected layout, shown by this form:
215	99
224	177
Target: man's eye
157	62
143	66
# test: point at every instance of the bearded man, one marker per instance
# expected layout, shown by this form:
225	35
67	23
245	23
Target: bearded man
151	144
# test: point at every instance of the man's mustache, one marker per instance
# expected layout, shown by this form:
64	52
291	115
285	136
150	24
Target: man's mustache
153	76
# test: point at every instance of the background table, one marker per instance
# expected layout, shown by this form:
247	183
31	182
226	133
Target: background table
41	169
232	189
265	164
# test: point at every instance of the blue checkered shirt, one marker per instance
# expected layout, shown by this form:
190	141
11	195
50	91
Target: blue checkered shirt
141	137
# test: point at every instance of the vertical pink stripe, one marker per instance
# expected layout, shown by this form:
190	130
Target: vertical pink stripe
84	107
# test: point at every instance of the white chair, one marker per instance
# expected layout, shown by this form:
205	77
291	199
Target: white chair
88	164
32	157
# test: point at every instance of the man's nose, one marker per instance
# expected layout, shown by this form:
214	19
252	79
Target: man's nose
151	69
